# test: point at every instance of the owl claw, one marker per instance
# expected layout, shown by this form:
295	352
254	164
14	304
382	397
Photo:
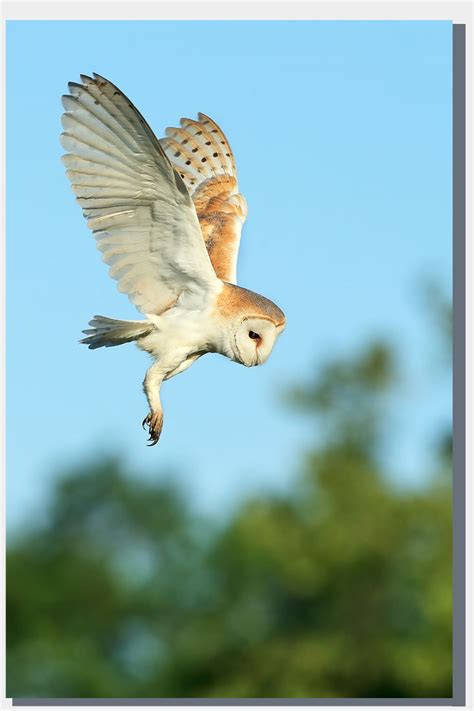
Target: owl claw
154	422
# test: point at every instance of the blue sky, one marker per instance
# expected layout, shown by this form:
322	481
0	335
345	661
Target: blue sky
342	136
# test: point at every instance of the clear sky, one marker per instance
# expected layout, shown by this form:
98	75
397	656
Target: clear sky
342	137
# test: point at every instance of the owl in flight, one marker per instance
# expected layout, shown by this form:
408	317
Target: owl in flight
167	216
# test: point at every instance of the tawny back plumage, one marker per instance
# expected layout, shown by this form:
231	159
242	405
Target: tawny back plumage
200	153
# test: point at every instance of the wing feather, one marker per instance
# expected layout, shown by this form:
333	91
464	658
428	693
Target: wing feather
201	154
137	207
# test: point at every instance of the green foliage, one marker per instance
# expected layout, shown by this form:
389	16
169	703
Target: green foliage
341	588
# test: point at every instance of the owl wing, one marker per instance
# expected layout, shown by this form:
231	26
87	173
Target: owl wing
137	206
201	154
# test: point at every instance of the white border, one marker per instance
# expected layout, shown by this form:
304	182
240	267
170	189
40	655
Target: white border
459	12
231	10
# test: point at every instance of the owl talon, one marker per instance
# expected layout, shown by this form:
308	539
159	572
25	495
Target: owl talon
154	422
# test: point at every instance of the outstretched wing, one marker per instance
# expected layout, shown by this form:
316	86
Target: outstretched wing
201	154
138	208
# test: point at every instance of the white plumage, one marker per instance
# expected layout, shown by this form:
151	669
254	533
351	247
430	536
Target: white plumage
167	218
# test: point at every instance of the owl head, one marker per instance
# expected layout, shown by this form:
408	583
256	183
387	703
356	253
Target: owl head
253	324
254	338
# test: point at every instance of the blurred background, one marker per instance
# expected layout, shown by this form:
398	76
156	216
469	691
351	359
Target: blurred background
290	536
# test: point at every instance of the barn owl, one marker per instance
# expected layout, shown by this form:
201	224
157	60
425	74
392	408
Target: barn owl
167	216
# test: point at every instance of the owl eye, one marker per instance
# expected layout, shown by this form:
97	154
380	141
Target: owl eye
254	335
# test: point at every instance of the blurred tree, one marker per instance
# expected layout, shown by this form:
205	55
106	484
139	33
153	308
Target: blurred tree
341	588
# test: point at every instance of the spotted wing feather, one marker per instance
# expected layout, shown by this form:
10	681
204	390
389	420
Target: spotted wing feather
200	153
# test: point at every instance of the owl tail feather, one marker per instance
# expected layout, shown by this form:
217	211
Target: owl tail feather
110	332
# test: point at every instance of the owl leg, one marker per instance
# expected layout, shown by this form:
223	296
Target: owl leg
154	420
